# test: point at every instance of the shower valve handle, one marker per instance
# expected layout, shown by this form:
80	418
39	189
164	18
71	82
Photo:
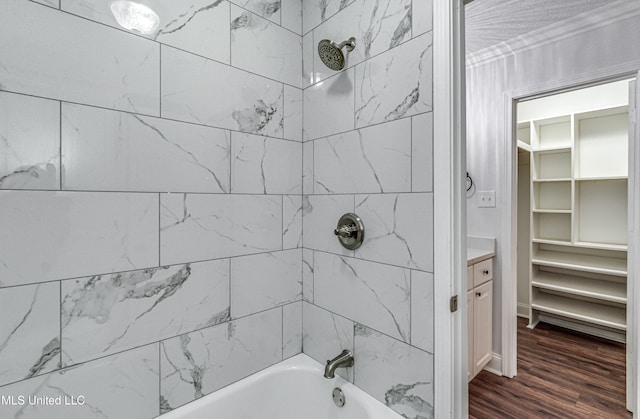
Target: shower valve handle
345	230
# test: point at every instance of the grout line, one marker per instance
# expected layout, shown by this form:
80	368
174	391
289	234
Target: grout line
412	18
369	327
327	19
282	333
210	126
159	230
60	162
371	261
212	194
60	325
159	378
313	276
167	45
149	344
150	116
313	168
410	306
411	156
315	82
368	126
147	267
267	19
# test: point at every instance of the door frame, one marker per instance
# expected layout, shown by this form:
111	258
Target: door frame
449	210
508	172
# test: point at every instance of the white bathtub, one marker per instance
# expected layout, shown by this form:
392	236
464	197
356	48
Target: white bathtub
293	389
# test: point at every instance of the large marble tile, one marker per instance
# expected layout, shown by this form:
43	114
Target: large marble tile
422	153
198	363
192	87
375	159
292	113
325	335
399	229
269	9
104	67
308	51
328	106
370	293
395	84
291	221
307	168
29	142
118	151
314	12
119	386
422	16
422	310
292	15
260	282
200	227
320	215
56	235
307	275
377	25
198	26
265	48
264	165
395	373
106	314
29	331
291	329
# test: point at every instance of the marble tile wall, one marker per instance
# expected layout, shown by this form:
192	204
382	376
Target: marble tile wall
146	181
150	202
368	149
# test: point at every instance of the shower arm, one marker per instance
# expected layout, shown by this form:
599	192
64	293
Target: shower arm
349	43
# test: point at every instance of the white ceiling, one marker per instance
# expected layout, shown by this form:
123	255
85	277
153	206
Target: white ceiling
489	22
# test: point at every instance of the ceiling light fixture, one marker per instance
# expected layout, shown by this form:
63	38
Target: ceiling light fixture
135	16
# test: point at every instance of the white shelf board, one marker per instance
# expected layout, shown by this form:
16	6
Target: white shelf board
552	211
548	241
524	146
602	246
568	179
586	287
599	314
586	179
583	245
578	262
551	149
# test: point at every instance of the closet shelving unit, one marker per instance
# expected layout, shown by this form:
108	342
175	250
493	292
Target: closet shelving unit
578	249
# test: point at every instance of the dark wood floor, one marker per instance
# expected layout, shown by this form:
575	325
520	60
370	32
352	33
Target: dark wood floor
561	374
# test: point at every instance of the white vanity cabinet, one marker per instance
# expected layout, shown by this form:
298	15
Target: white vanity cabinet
479	314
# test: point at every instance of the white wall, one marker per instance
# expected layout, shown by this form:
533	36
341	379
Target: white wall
611	48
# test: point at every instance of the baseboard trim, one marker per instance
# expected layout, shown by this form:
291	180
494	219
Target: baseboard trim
523	310
495	365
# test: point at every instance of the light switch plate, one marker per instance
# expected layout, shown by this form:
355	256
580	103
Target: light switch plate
487	199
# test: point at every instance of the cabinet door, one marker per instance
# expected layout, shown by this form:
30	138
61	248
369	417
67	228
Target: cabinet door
469	277
470	316
482	325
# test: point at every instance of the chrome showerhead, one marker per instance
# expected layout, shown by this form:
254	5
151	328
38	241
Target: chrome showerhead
331	53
